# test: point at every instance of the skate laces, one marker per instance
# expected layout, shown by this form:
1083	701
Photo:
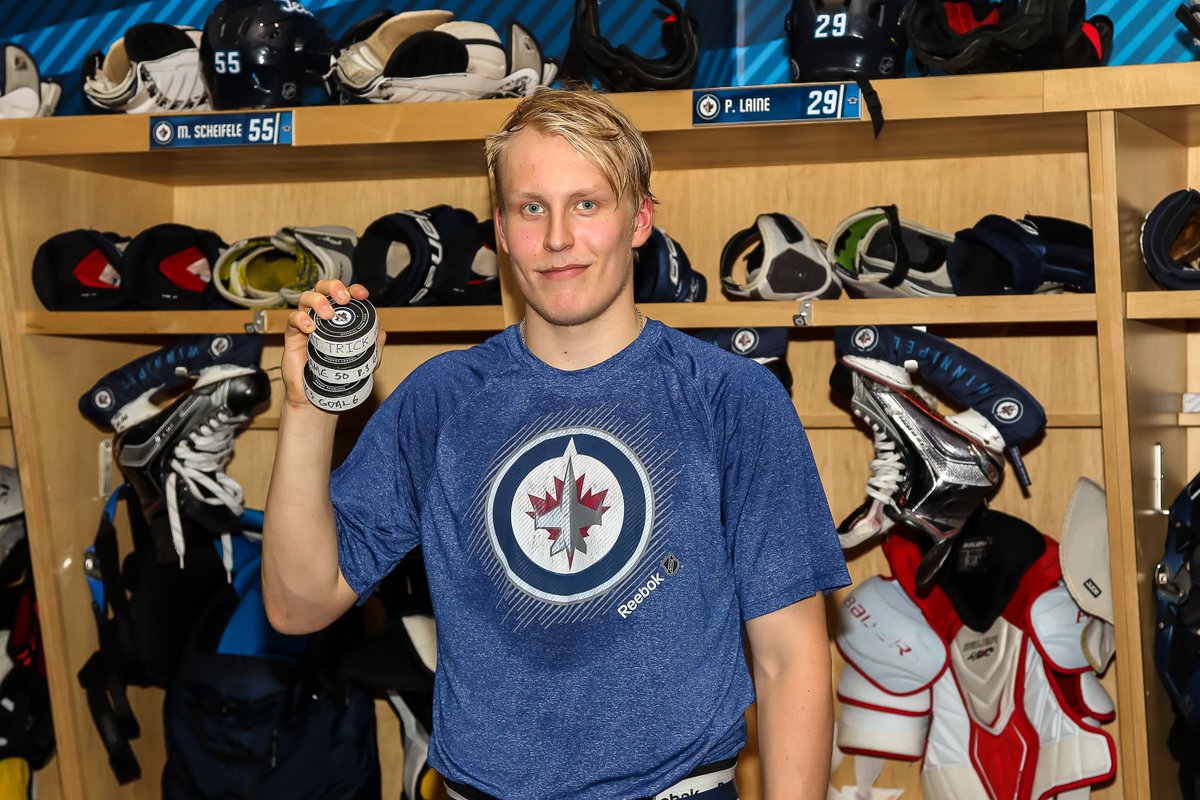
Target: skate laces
199	460
887	469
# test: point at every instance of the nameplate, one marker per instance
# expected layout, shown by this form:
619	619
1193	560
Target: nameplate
809	102
221	130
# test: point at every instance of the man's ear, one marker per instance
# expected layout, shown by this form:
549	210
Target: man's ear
643	222
498	220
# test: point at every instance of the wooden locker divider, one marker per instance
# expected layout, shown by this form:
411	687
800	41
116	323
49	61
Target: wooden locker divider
1096	146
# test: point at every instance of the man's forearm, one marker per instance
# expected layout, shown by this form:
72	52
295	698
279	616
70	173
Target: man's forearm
795	731
300	564
792	678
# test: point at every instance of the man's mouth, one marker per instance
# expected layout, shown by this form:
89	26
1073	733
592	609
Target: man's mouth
562	273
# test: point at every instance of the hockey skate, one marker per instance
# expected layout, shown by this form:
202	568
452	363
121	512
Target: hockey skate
175	459
929	472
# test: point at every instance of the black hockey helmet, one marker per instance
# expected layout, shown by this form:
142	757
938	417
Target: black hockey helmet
960	36
256	53
592	57
846	39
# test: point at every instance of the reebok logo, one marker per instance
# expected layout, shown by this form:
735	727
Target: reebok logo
639	597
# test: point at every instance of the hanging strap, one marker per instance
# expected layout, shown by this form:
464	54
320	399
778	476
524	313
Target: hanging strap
870	99
103	677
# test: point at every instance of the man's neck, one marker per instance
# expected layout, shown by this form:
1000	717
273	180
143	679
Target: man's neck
572	347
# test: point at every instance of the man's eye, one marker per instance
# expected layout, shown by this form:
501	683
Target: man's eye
532	208
588	205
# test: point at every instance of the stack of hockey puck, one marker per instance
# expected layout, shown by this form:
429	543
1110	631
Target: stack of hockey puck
342	357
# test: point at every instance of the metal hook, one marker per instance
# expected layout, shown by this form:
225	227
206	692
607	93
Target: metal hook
1158	480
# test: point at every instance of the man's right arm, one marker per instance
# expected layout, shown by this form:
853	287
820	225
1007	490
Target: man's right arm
303	587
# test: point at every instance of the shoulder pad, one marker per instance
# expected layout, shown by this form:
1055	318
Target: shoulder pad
882	633
1056	624
1095	698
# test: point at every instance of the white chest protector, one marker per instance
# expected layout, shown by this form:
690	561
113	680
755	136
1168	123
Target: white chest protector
1011	713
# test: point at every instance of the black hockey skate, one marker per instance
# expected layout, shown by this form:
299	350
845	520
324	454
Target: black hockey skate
929	472
175	460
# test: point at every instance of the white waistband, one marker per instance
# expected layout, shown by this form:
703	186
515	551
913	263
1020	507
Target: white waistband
696	784
685	787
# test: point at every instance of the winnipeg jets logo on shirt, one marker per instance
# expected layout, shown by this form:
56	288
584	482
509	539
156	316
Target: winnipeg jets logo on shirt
569	514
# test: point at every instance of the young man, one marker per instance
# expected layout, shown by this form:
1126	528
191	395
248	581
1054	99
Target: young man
602	503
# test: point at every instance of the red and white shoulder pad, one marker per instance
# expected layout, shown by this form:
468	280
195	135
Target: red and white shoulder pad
892	659
1057	626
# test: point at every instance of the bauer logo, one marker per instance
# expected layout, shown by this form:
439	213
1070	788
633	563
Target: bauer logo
569	515
1007	410
102	399
865	338
744	340
219	346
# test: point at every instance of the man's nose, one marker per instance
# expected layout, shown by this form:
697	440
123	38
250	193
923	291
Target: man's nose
558	232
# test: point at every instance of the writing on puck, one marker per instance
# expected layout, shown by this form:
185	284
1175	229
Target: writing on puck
335	397
351	330
342	370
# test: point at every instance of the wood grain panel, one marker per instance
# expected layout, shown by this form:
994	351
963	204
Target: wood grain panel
1149	166
236	212
55	446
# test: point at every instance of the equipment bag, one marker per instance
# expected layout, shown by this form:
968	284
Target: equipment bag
248	715
247	712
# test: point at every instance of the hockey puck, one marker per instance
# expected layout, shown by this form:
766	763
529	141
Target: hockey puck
332	397
341	371
348	333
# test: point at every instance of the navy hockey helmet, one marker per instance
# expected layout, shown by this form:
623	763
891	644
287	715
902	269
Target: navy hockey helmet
257	53
846	39
618	69
1176	641
1170	240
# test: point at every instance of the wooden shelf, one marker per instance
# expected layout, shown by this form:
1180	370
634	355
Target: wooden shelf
1164	304
888	311
136	323
1141	86
826	313
472	120
273	321
811	421
970	115
927	117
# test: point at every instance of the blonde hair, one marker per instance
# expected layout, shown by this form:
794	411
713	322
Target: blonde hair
593	126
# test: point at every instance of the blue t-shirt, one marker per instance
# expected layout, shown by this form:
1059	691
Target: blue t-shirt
594	540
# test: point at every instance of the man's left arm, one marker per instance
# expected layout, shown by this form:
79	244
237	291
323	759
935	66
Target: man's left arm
792	678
